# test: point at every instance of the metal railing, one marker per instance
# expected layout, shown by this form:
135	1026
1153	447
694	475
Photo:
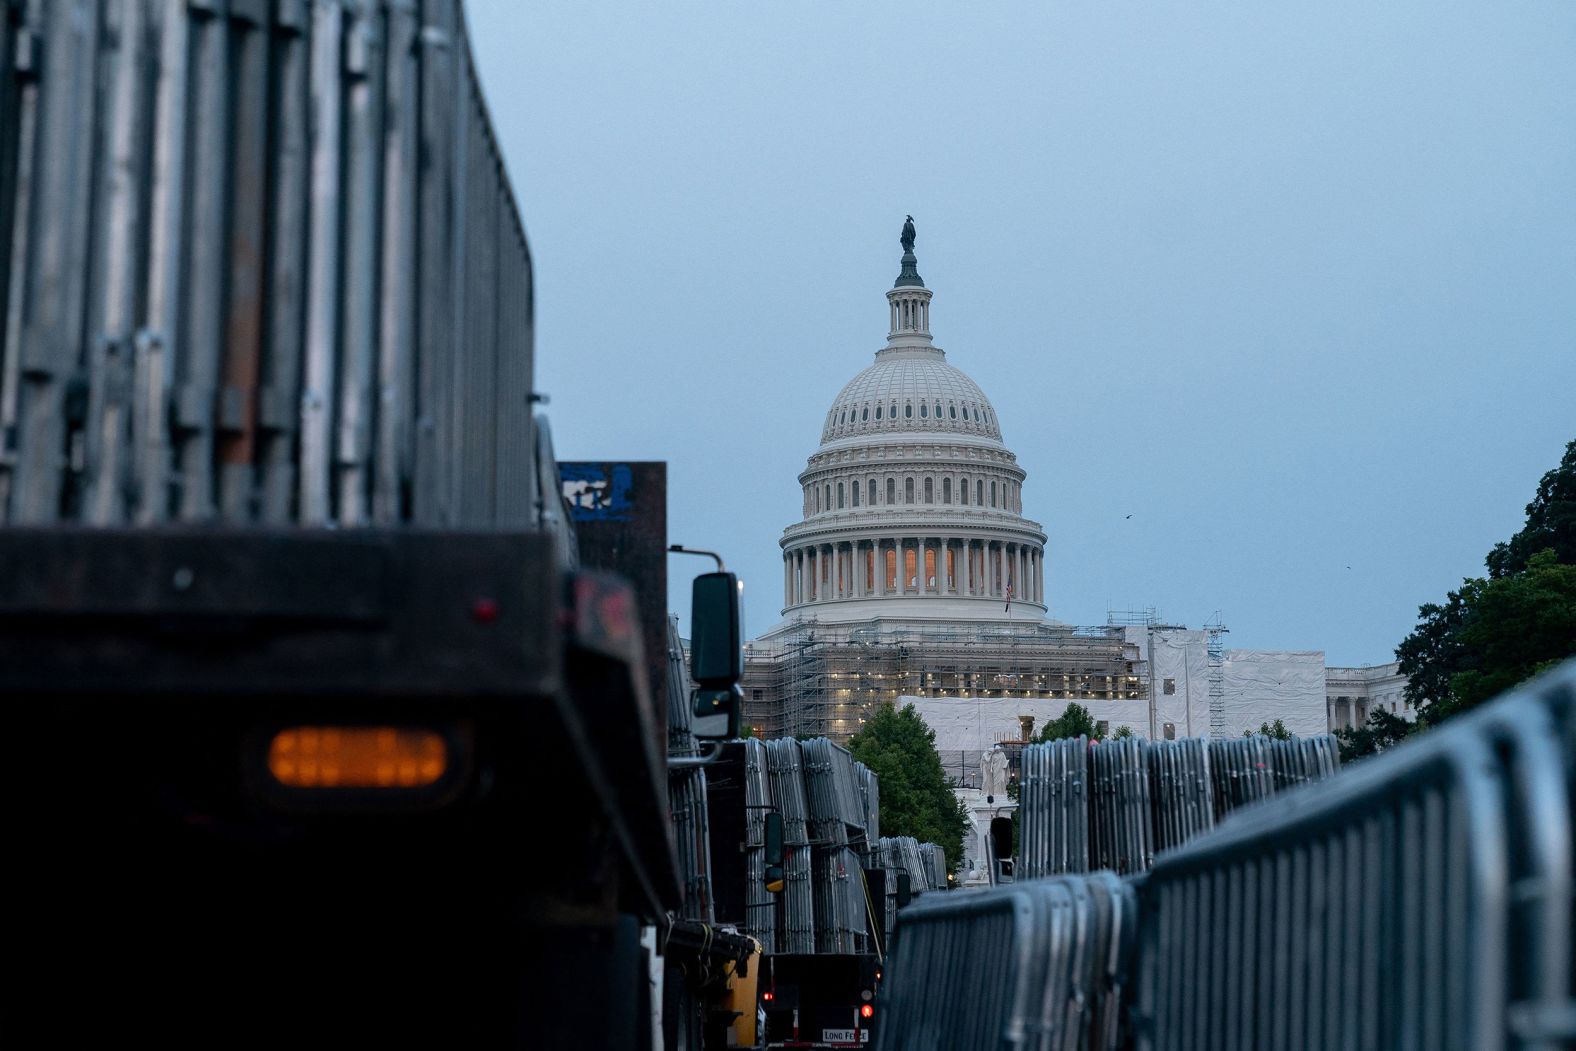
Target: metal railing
1039	965
262	264
1114	804
1421	899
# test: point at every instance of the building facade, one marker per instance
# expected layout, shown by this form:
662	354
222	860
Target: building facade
913	573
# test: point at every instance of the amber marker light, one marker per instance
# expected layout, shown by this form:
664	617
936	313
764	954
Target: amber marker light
357	757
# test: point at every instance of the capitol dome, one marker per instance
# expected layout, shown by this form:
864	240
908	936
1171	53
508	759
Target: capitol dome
912	503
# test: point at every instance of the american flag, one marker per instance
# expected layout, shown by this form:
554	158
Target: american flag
1008	607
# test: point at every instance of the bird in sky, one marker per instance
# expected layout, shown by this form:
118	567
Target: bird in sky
1129	516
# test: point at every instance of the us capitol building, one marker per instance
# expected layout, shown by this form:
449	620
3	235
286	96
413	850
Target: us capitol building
914	576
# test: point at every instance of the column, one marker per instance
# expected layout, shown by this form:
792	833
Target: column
919	564
880	568
968	567
990	570
943	578
859	568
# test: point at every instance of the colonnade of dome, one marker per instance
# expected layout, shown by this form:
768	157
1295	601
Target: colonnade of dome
890	566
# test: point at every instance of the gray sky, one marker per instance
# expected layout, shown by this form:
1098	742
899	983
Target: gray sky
1294	284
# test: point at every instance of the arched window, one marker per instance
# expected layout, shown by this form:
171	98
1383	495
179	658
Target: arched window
908	490
908	410
842	418
878	412
839	496
870	496
979	492
930	490
864	417
924	410
963	491
853	493
976	414
892	412
952	411
818	501
828	497
891	491
938	410
993	494
946	490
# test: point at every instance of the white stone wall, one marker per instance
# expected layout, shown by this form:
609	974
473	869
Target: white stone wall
1260	686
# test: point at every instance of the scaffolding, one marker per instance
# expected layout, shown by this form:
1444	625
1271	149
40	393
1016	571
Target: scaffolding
1217	675
821	681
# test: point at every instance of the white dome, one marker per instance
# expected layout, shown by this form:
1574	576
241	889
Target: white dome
913	507
909	389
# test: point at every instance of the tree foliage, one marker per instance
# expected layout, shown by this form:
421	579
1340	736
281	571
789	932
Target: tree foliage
1276	730
1382	730
1073	721
1493	633
1551	523
916	795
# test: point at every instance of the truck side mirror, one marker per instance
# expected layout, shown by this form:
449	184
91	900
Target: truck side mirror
1001	837
716	631
716	655
905	889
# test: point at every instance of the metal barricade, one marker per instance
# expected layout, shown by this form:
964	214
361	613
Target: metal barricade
1040	964
1119	815
262	265
795	919
1115	804
1181	793
761	915
692	841
1420	900
870	796
1054	808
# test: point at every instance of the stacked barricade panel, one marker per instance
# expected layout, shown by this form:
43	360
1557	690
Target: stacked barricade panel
795	920
263	266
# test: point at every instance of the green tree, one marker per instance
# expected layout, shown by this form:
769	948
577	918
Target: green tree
1073	721
1551	523
1276	730
916	795
1121	732
1496	632
1382	730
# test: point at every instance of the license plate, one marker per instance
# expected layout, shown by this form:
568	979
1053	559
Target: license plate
845	1036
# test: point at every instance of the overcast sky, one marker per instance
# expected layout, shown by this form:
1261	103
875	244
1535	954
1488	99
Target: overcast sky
1293	284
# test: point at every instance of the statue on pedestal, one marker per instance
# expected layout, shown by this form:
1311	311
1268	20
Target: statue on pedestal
993	773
